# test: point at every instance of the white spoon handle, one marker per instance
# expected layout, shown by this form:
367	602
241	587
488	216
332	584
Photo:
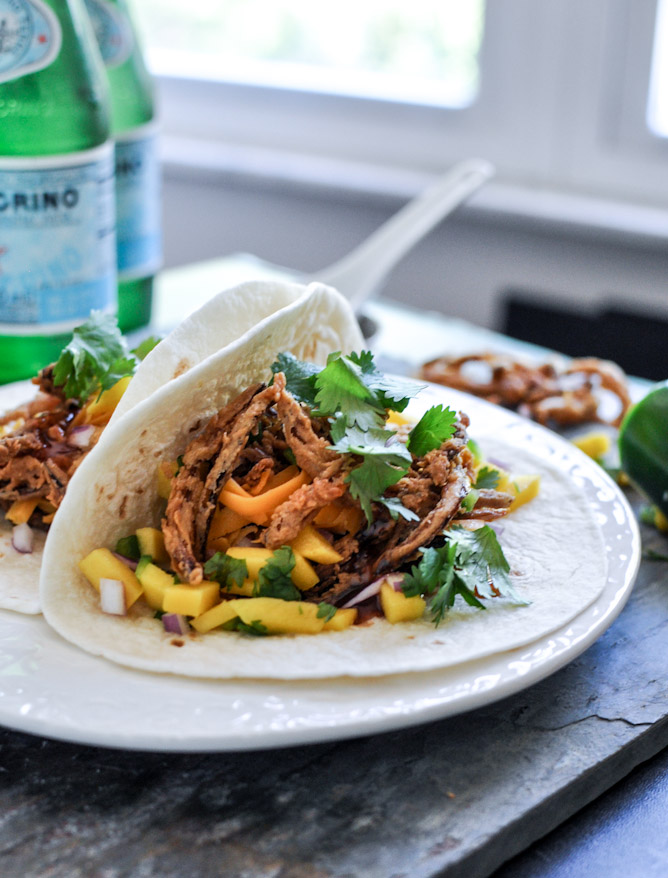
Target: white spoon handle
359	273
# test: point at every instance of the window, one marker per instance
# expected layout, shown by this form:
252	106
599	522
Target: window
657	110
424	51
561	95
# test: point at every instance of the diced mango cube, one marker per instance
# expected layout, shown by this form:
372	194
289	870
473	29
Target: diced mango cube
215	617
303	575
525	488
191	600
310	543
341	620
281	617
155	583
399	608
595	445
152	542
103	564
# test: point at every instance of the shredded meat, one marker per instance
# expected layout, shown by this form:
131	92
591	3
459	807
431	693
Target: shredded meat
564	397
37	456
264	429
299	509
208	462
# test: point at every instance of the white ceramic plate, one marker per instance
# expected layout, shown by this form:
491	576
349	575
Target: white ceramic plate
50	688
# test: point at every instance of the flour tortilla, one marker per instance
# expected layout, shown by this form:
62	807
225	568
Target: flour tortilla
116	494
227	317
223	319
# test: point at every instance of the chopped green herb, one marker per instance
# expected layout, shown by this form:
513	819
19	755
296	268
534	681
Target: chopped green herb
326	611
487	477
299	377
145	347
470	564
434	427
95	359
274	580
142	564
226	570
254	629
128	547
385	460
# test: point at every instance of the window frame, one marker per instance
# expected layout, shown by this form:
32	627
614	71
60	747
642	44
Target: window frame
561	108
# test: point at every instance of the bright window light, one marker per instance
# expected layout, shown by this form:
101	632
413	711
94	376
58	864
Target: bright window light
422	51
657	113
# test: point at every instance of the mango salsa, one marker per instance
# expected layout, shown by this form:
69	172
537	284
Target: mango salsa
103	564
399	608
190	600
281	617
310	543
155	583
151	542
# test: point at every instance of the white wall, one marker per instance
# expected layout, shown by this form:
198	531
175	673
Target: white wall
460	269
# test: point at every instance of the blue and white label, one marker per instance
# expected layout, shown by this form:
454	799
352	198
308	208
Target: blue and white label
57	241
112	30
30	37
138	223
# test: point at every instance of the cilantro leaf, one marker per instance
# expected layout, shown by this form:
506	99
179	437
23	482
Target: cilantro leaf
325	611
94	348
299	377
481	562
128	547
274	580
341	388
487	477
254	628
391	391
226	570
471	564
431	431
385	460
145	347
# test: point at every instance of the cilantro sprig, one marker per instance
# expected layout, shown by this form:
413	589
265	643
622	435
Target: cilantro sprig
96	358
471	564
355	396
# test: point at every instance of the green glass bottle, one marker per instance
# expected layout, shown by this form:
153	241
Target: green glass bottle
57	241
138	226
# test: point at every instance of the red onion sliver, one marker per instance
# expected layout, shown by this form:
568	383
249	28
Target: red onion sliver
394	579
80	436
112	597
23	538
129	562
175	623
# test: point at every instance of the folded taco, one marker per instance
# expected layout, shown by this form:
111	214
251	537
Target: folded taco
44	439
284	510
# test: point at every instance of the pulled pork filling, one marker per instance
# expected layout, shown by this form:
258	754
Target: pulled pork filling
37	455
265	430
567	397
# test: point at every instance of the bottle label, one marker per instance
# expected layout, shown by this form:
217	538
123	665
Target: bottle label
113	31
57	242
138	225
30	37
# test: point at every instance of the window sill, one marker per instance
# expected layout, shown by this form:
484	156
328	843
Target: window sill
501	201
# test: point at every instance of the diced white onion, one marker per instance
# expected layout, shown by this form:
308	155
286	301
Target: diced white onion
81	435
394	579
175	623
112	597
23	538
